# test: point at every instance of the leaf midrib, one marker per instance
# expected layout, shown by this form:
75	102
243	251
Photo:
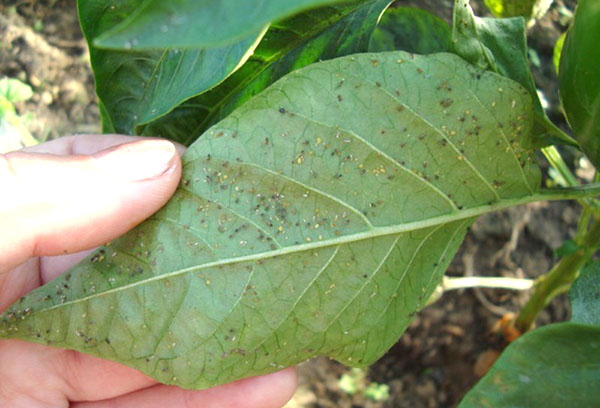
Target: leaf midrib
376	232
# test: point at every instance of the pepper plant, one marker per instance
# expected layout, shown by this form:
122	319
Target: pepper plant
338	153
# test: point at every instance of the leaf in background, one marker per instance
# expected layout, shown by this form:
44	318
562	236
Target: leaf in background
316	219
514	8
412	30
500	45
555	366
579	78
13	133
192	23
316	35
14	90
585	296
136	87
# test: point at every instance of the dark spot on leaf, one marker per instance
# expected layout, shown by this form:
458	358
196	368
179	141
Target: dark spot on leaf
447	102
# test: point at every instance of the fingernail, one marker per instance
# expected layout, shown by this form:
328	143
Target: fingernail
138	161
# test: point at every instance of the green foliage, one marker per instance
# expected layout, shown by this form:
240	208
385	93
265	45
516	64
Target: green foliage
136	87
500	45
316	219
554	366
412	30
567	248
579	78
312	36
191	23
585	296
558	51
515	8
13	90
355	382
13	133
321	202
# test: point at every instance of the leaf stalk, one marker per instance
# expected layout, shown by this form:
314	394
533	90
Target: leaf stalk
560	277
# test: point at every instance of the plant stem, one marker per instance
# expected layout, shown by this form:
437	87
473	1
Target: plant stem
450	283
453	283
555	159
560	276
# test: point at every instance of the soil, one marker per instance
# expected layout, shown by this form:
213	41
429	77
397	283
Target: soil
450	344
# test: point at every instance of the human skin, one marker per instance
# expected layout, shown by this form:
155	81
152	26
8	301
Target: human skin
59	200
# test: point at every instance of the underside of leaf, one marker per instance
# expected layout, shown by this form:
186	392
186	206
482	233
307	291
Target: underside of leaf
315	220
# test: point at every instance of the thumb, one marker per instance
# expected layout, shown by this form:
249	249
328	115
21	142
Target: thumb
54	204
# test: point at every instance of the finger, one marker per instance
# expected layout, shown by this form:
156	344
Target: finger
19	281
53	266
51	375
270	391
63	204
88	144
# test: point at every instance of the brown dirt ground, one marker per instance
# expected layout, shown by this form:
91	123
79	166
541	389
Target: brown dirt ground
446	348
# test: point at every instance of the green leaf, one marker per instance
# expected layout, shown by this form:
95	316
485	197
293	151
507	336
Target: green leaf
585	296
316	219
14	90
553	366
13	133
514	8
579	78
558	45
139	87
412	30
500	45
192	23
567	248
316	35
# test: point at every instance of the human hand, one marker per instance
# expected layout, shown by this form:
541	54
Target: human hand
58	201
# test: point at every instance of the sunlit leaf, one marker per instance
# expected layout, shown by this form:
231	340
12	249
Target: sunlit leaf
193	23
312	36
14	90
515	8
136	87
